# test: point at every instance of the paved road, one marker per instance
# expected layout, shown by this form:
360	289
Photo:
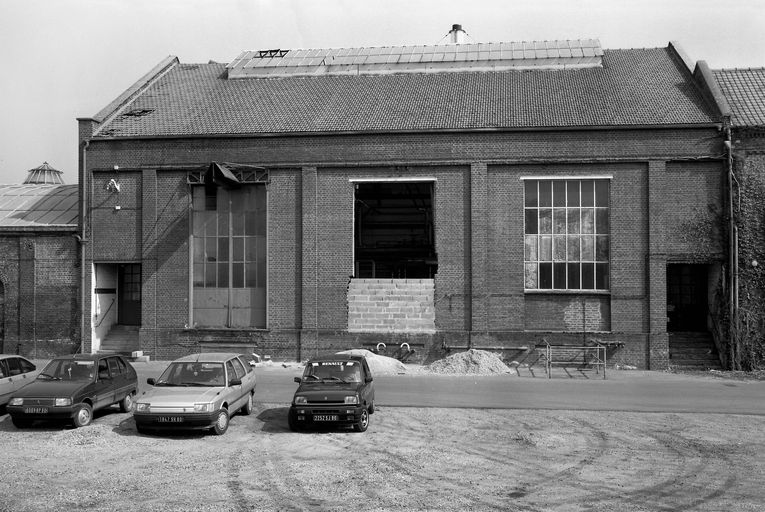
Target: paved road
634	391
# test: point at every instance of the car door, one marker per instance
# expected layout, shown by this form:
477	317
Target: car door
117	373
236	391
368	389
16	373
103	390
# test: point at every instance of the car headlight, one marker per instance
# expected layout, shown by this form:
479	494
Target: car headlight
300	400
142	407
206	407
16	401
63	402
352	399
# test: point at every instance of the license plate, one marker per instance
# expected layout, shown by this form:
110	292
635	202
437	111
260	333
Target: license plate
326	417
36	410
170	419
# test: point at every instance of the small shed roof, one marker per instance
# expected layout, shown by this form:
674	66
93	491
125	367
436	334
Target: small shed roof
745	91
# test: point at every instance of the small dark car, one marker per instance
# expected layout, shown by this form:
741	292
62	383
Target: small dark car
334	390
72	387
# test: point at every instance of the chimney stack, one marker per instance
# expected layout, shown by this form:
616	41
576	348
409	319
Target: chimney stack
456	34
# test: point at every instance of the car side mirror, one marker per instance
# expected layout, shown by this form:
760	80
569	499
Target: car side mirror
235	382
298	380
104	376
368	379
150	381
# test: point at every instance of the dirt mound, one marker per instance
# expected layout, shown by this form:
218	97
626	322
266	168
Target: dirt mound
378	364
474	362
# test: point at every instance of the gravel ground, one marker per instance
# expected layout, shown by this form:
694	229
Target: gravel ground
409	459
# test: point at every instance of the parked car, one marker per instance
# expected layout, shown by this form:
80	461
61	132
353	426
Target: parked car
15	373
334	390
199	391
73	387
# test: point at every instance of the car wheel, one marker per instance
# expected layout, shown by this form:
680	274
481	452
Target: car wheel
20	423
363	422
247	408
221	422
372	407
83	416
292	422
126	404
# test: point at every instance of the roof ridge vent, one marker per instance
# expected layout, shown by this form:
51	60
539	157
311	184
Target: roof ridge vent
44	175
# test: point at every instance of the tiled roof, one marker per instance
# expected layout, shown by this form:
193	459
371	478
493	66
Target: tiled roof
633	87
30	206
745	91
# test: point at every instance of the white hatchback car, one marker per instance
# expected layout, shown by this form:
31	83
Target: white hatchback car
15	373
198	391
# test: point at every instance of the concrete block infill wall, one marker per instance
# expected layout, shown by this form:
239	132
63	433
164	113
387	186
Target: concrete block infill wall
391	305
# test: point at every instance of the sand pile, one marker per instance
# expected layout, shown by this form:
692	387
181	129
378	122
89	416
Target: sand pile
471	362
379	365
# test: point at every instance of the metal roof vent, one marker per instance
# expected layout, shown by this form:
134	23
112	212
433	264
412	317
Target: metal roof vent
456	34
44	175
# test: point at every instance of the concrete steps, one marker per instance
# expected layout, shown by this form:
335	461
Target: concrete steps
121	339
693	351
391	305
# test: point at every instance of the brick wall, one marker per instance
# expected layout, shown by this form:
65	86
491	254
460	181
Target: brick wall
478	297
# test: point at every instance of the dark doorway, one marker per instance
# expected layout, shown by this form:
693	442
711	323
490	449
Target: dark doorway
393	233
687	308
129	290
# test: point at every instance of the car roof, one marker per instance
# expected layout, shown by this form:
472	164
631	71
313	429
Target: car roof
336	357
86	357
6	356
207	357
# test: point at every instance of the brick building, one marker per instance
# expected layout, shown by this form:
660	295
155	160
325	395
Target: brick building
39	266
743	103
462	195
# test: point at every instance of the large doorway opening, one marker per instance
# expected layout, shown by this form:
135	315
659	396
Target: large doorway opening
687	293
393	230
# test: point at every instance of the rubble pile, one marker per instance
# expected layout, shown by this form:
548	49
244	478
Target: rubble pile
380	365
473	362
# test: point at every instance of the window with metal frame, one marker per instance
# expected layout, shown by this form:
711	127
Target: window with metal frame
229	256
566	234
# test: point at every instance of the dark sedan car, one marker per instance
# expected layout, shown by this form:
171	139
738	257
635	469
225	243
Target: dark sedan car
334	390
72	387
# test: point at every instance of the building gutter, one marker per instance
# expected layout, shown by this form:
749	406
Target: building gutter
82	240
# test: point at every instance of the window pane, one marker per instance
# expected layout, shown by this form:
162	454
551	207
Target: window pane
545	248
573	193
588	248
250	245
545	193
261	249
222	248
237	224
601	221
601	276
251	275
530	192
250	224
530	276
559	248
530	249
223	275
260	222
531	221
210	275
573	221
210	220
198	198
260	266
588	276
601	193
573	248
211	249
237	203
601	251
559	276
588	193
559	221
559	193
199	275
545	221
199	250
588	220
545	276
198	221
573	276
237	275
238	249
223	224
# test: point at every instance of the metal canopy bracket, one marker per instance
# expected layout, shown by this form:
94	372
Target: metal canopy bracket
228	174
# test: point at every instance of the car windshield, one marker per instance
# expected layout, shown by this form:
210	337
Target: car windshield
193	374
343	371
68	369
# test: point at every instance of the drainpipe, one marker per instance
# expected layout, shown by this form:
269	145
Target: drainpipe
82	241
